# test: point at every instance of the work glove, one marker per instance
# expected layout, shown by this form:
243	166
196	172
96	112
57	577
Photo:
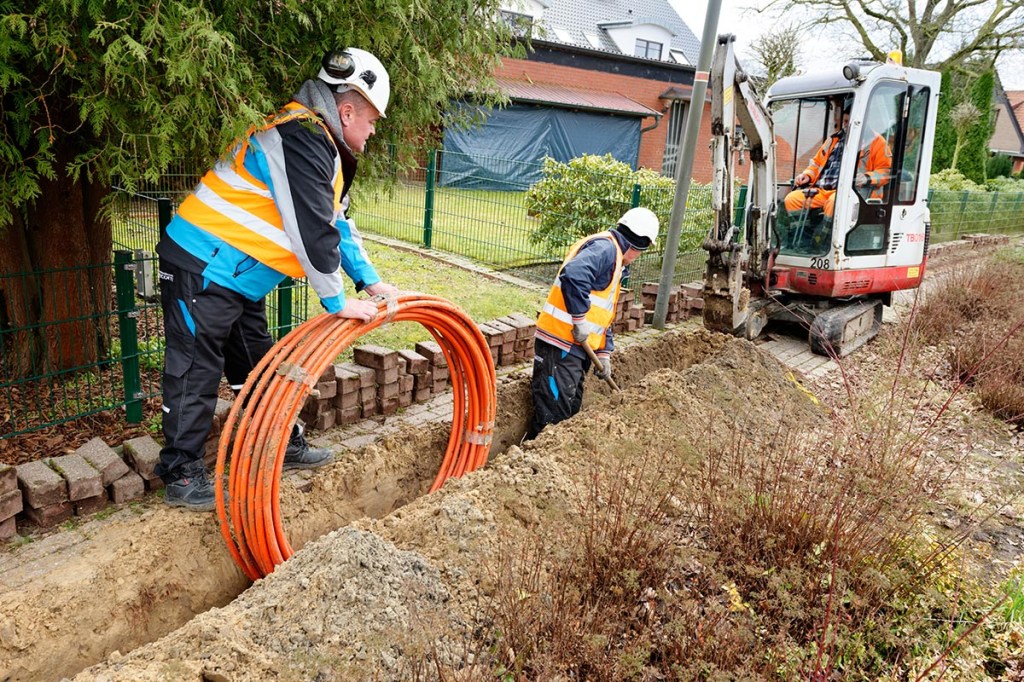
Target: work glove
579	333
603	370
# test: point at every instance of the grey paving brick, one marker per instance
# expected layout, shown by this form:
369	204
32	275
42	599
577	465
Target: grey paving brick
11	503
50	515
128	487
8	479
143	453
103	458
82	478
43	487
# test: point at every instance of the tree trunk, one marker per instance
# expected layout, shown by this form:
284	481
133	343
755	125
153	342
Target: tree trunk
57	310
956	150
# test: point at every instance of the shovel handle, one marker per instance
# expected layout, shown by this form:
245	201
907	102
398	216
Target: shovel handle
593	358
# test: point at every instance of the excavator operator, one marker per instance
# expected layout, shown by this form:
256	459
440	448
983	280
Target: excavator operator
816	185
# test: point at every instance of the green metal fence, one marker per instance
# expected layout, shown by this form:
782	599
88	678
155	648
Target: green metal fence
494	227
66	363
63	366
957	213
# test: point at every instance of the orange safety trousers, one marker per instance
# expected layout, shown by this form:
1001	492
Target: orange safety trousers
825	198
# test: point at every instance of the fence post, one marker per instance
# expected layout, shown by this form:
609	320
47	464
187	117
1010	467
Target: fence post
284	306
428	208
992	212
163	212
963	212
124	282
635	199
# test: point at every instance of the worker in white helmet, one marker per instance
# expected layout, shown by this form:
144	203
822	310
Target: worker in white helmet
273	207
579	310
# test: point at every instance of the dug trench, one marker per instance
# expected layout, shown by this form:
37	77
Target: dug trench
111	586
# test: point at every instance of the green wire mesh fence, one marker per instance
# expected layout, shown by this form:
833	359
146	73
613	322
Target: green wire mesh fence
67	363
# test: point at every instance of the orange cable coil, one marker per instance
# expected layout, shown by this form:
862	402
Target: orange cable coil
254	440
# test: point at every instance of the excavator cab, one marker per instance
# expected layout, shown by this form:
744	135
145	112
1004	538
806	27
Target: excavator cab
836	215
809	133
866	210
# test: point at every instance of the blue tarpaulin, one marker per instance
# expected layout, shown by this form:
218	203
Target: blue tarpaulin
505	153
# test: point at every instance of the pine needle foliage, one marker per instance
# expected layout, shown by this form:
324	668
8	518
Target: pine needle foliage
104	89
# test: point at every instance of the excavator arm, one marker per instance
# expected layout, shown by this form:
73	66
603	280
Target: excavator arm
738	255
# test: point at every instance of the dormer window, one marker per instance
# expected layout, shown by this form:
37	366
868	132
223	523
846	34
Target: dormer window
647	49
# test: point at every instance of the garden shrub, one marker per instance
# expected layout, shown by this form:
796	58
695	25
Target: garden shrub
590	193
953	180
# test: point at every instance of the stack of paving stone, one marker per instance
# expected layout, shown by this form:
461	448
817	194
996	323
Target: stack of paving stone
412	378
384	363
50	491
628	315
676	308
509	338
693	297
437	367
356	396
525	328
380	380
10	501
318	412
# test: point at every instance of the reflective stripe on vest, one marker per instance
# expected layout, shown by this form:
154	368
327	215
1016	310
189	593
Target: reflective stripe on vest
556	321
232	204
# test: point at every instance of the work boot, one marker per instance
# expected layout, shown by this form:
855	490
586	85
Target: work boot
192	489
300	456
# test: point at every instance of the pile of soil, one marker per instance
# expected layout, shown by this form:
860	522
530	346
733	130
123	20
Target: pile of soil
405	574
370	600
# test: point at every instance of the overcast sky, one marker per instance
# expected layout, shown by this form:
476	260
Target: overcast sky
747	25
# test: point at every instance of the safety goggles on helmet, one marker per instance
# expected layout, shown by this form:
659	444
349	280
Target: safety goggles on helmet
355	69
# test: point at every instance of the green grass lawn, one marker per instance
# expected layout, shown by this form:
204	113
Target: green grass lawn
480	297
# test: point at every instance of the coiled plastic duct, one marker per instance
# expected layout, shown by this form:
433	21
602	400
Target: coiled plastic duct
256	432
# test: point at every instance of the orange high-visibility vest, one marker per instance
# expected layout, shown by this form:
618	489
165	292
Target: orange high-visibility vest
232	204
876	162
555	321
820	158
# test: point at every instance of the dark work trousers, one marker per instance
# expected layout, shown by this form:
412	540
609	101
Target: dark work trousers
210	331
557	386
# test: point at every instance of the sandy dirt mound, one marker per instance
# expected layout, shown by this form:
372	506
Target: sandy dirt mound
72	598
368	601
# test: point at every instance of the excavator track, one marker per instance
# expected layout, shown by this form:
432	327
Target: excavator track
839	331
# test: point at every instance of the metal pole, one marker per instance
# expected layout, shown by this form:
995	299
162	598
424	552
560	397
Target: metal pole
164	211
285	314
128	330
685	159
428	204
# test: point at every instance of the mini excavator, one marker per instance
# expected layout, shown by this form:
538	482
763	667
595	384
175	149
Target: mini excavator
828	265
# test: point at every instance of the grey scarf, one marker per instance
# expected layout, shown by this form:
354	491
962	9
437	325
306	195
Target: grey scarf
316	96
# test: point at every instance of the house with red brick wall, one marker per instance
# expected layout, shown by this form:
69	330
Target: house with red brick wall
1008	132
600	77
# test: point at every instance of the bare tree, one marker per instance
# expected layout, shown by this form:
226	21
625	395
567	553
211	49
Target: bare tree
776	55
936	33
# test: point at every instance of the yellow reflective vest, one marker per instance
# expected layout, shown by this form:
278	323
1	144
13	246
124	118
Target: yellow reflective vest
555	323
232	204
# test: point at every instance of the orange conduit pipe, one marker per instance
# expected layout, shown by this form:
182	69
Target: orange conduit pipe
256	432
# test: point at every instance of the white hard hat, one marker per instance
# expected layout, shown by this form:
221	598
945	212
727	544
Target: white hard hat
357	69
640	222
